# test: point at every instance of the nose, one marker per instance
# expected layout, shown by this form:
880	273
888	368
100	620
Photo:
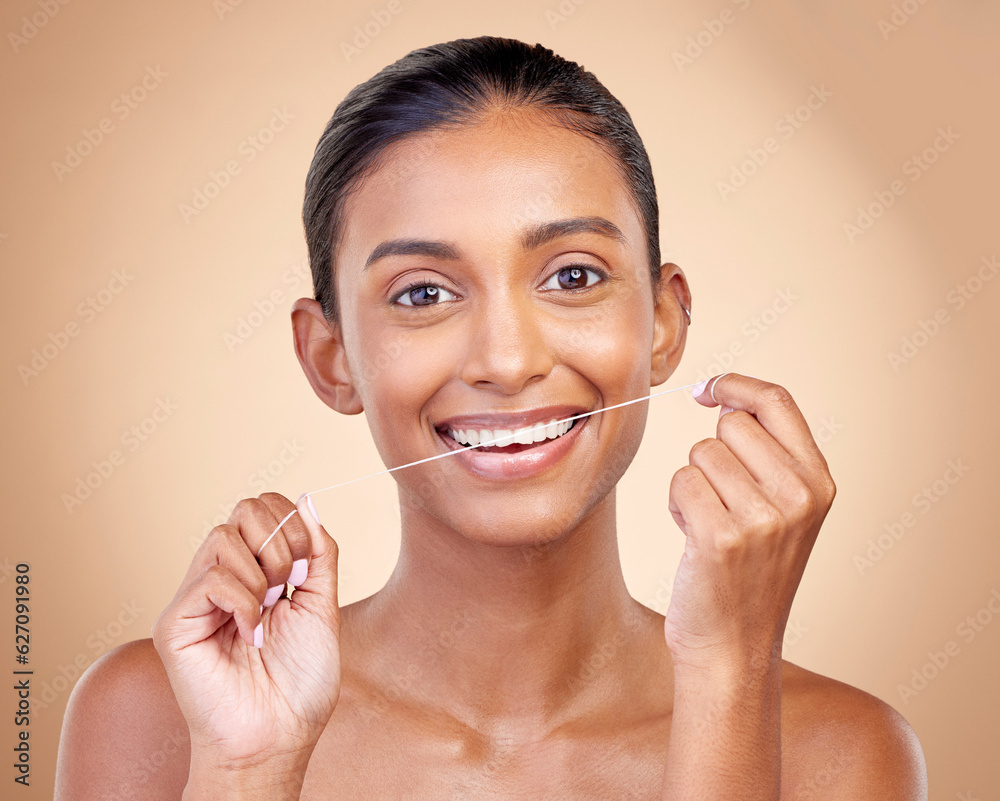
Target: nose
507	346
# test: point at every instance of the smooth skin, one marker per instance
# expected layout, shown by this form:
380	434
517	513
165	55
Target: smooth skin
504	658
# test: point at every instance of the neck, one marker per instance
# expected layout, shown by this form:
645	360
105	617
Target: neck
536	634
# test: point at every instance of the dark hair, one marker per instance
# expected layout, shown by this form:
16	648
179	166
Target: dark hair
446	85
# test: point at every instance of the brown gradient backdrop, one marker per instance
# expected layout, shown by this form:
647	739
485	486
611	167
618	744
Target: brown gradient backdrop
102	571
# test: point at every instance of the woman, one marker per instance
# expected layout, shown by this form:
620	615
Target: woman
483	234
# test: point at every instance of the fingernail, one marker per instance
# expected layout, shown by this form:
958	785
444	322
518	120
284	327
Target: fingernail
258	635
697	389
725	410
300	569
309	505
273	594
312	508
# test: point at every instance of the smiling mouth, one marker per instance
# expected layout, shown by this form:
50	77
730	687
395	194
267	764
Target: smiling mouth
507	440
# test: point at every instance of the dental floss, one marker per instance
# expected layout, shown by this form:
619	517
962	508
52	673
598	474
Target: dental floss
465	447
711	392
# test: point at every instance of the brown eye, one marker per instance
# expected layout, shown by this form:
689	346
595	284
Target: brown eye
573	277
421	295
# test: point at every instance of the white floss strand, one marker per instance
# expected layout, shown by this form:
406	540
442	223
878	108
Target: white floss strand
464	447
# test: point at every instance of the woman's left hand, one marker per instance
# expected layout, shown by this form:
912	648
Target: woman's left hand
750	504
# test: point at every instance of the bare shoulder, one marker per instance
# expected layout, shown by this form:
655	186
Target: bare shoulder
123	735
840	742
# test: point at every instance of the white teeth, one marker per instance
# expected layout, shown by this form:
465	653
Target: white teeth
504	437
525	436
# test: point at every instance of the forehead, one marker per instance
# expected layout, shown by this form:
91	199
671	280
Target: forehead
480	184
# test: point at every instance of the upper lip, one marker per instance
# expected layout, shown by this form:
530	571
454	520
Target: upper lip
510	420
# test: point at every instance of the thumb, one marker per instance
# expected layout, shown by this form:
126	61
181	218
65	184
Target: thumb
318	592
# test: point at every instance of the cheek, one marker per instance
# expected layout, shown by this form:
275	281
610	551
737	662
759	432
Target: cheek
611	346
401	373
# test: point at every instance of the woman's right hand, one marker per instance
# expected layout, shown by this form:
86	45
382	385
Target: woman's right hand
247	705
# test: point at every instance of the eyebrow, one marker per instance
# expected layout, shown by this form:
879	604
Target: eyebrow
534	237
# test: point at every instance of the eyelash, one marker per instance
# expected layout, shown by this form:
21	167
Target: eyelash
418	284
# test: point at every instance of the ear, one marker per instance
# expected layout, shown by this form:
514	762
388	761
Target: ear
670	323
320	348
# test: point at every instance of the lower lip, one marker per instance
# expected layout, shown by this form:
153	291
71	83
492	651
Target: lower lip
524	464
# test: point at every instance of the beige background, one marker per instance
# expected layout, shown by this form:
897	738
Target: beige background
101	572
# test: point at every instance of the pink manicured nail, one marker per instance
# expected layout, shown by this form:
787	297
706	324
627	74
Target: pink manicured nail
699	388
272	595
309	505
312	508
258	635
300	569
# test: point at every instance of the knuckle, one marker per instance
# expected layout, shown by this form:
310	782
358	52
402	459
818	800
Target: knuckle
730	541
769	519
248	509
777	395
802	500
273	498
258	583
686	477
223	535
829	490
736	420
703	448
279	567
215	575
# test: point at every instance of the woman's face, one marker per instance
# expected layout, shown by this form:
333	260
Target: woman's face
492	277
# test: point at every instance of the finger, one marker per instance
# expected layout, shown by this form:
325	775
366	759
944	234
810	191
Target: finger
778	476
693	500
208	604
318	591
294	532
735	487
256	520
773	407
226	547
